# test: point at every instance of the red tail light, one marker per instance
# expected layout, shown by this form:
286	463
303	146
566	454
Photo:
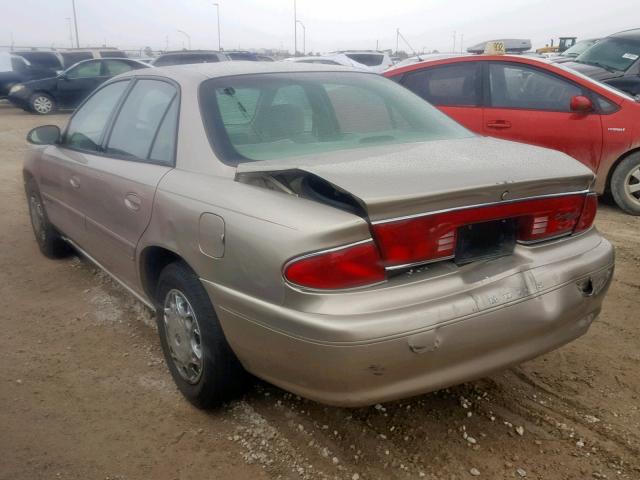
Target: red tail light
343	267
588	213
433	236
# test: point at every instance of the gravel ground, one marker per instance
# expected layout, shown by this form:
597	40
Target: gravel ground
84	393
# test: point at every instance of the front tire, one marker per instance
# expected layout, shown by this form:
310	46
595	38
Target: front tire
625	184
49	240
42	104
202	364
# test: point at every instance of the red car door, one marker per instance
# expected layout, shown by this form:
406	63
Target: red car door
530	105
456	89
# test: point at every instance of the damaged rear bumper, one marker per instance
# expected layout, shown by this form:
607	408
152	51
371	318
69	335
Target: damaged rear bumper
430	342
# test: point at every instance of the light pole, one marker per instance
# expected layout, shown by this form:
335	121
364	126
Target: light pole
218	16
188	37
75	22
295	30
68	19
304	37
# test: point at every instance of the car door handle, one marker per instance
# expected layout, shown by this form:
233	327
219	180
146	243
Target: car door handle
75	182
498	124
132	201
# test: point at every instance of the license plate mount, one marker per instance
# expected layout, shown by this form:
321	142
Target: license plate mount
486	240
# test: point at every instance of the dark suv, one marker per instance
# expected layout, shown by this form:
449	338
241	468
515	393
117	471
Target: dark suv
614	60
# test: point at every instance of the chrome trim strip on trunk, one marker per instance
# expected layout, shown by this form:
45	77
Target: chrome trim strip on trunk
101	267
479	205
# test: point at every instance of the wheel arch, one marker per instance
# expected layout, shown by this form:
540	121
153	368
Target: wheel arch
153	259
614	165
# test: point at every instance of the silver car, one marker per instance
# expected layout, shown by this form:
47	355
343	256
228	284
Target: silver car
322	228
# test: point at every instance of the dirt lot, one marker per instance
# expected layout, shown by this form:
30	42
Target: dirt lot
84	393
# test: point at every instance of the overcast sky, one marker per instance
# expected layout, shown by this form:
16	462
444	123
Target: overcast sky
330	24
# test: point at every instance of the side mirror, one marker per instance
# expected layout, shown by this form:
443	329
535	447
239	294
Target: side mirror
44	135
581	104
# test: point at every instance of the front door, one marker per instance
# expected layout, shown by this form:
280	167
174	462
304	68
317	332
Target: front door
62	183
78	82
529	105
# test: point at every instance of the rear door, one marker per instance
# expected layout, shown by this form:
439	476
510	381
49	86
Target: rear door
530	105
78	82
64	166
122	181
455	88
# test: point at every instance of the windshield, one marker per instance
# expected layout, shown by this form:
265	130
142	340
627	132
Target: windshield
578	48
275	116
612	53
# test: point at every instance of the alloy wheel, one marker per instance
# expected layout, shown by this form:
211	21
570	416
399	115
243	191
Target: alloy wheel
42	104
182	334
632	185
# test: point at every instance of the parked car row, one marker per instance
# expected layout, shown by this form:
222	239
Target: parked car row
325	228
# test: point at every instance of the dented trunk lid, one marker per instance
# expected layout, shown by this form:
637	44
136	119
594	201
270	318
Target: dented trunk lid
405	179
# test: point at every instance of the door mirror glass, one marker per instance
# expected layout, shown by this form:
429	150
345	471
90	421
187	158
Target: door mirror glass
581	104
44	135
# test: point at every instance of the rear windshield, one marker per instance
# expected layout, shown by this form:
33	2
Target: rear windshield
368	59
184	59
274	116
112	54
612	53
42	59
71	58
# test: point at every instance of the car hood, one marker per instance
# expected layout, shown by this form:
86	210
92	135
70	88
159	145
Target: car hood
597	73
405	179
41	83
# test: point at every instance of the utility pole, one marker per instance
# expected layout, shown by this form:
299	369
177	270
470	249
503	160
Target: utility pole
75	22
295	30
397	39
304	38
461	42
68	19
454	42
218	11
188	37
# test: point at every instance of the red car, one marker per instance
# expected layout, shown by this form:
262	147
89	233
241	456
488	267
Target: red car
533	101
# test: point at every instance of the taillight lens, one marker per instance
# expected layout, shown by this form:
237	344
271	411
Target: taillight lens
588	213
347	267
433	237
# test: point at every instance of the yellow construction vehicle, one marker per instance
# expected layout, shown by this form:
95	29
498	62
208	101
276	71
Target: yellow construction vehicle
563	44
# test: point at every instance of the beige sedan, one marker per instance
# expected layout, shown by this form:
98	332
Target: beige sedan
320	227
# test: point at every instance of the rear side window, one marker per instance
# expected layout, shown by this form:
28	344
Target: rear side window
139	119
448	85
368	59
517	86
116	67
87	126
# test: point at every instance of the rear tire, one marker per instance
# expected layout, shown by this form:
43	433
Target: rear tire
202	364
42	104
49	239
625	184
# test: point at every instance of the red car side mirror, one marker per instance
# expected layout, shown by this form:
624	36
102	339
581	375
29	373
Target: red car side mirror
581	104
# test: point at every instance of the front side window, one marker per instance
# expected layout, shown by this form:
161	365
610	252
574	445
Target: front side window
273	116
116	67
87	127
448	85
85	70
139	118
517	86
615	54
